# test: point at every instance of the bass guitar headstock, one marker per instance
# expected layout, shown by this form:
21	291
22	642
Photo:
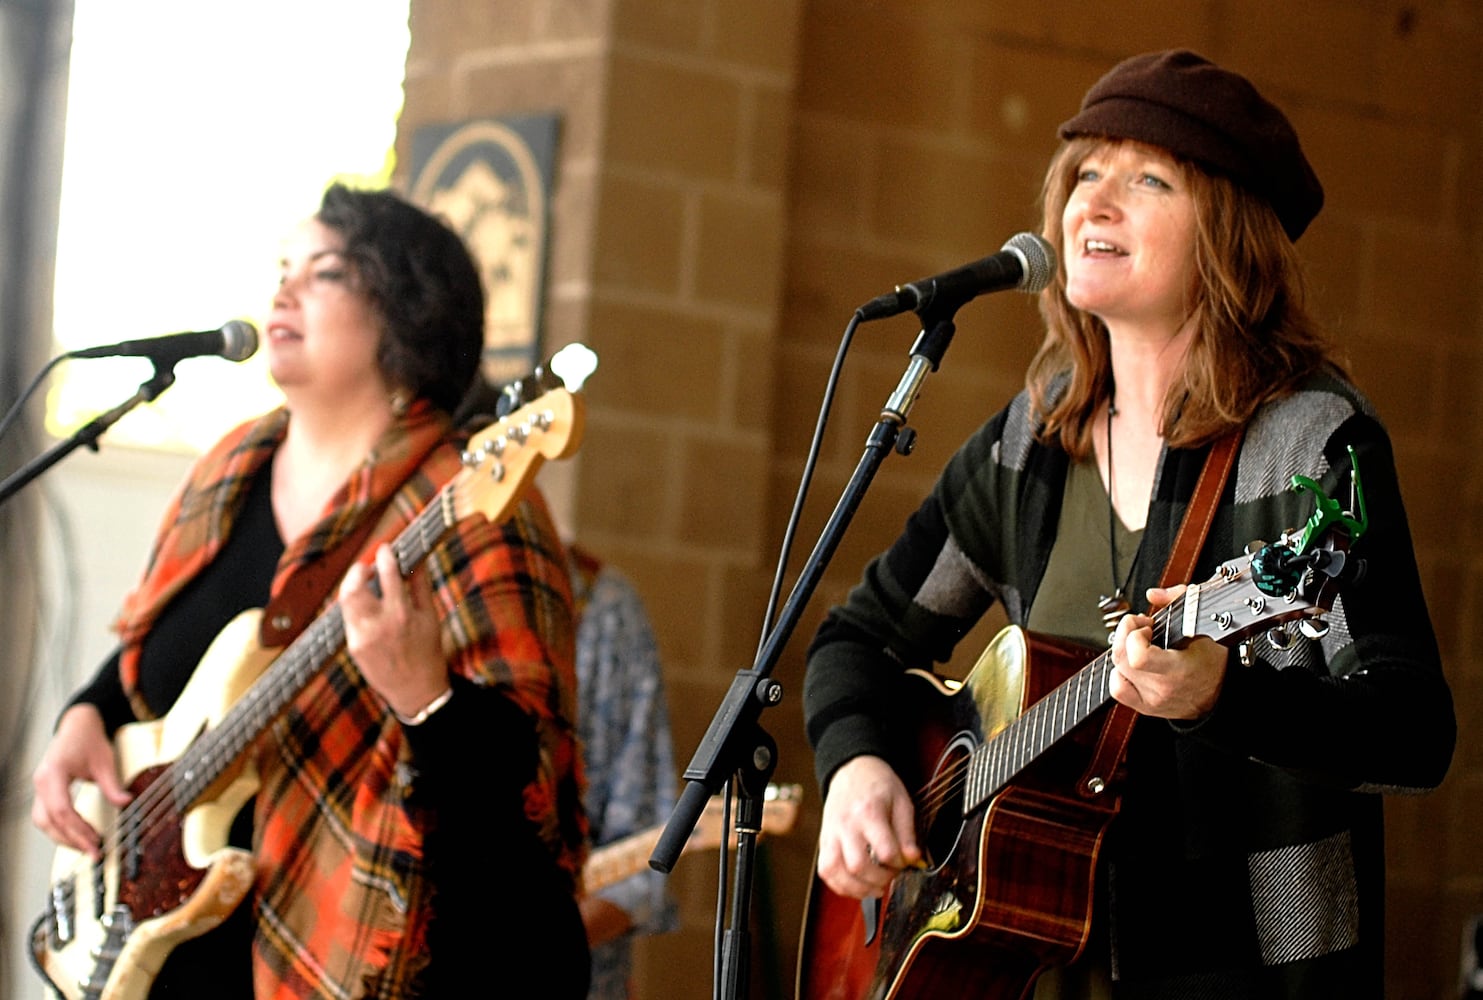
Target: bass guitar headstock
537	418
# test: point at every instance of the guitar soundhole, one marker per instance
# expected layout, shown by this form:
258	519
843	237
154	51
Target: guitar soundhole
940	805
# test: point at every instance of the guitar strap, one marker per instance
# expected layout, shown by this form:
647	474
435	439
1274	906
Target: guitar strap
297	605
1117	729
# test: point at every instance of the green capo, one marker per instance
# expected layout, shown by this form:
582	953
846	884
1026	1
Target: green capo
1328	513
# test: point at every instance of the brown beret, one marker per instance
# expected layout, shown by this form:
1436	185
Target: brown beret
1182	102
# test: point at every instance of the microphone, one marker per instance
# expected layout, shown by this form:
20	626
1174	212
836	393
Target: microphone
1026	262
235	340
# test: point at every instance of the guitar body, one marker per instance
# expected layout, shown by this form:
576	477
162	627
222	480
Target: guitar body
1007	889
109	926
1015	778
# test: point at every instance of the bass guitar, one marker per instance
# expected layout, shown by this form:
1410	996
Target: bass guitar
616	861
166	873
1009	814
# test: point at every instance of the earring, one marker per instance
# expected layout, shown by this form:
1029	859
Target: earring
400	402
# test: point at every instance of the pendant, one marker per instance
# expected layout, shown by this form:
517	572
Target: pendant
1113	608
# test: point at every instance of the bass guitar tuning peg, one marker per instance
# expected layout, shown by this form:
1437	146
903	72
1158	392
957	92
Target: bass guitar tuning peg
1280	638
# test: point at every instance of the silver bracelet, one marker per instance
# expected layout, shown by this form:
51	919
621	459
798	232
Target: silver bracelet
425	712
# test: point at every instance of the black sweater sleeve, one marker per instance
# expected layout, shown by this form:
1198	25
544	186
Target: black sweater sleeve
105	692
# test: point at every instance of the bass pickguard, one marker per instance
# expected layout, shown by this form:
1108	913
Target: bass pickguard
166	874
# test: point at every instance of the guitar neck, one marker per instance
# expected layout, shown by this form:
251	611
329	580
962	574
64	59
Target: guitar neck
498	463
615	862
219	747
629	855
997	761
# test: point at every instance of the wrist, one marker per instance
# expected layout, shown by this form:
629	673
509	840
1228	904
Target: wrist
426	712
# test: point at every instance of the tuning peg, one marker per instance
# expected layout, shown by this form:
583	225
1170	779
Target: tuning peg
1312	628
1280	638
573	364
1253	547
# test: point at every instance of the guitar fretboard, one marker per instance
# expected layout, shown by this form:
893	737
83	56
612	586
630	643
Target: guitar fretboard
997	761
217	748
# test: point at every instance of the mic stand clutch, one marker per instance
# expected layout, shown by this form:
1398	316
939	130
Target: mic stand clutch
735	743
88	434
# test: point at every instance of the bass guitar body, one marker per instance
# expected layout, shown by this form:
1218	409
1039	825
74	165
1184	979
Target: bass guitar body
1006	888
109	924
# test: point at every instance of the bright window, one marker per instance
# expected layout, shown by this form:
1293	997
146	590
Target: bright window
198	134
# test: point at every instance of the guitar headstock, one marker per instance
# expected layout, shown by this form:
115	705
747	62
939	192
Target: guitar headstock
500	460
1265	589
1296	577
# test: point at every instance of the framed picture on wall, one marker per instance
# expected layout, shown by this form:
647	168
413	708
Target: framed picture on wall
491	179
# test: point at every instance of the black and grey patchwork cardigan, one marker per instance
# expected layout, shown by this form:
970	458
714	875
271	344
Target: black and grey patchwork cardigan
1247	859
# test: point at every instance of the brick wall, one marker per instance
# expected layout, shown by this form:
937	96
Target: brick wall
735	176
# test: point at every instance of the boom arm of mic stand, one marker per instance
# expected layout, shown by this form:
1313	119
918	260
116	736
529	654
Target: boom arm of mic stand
734	742
88	434
732	737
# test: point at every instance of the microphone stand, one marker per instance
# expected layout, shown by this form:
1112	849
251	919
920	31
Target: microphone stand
88	434
735	743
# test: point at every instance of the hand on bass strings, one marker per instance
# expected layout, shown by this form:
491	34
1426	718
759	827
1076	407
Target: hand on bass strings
1167	683
394	638
79	751
867	834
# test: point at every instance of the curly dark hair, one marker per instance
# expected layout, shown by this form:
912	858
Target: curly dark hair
422	282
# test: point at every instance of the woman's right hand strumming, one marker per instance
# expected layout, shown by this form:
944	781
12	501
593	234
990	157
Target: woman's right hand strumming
867	834
79	751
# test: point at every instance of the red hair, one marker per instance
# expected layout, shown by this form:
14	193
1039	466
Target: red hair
1254	339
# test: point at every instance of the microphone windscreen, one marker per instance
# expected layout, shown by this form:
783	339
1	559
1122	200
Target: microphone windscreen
238	340
1039	259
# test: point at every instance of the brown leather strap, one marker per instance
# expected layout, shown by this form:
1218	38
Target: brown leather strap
296	606
1202	506
1117	729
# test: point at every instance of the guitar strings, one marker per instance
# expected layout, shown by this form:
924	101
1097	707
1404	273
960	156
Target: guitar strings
154	813
951	782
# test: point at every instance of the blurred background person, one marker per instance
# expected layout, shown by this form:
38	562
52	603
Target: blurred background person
629	757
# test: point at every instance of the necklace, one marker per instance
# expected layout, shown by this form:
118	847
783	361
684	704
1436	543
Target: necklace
1113	606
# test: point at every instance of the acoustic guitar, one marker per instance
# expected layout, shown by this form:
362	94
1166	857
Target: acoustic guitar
1008	815
166	873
